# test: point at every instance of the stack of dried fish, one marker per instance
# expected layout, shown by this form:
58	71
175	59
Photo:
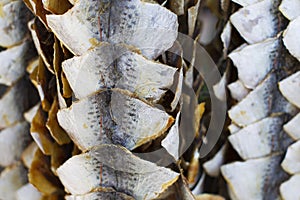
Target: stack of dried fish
16	96
109	100
258	117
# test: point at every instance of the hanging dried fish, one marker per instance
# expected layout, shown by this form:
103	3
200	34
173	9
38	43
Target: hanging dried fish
255	178
114	166
108	66
113	117
149	27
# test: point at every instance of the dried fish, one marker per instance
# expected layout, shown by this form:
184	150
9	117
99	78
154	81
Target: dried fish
291	162
269	134
14	61
252	73
255	178
114	166
192	17
289	38
289	190
28	154
290	8
14	102
292	127
237	90
250	20
255	106
288	87
212	167
149	27
171	142
226	37
108	66
13	140
113	117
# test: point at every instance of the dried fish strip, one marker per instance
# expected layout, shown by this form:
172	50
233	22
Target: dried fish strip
149	27
108	66
252	73
269	134
114	166
113	117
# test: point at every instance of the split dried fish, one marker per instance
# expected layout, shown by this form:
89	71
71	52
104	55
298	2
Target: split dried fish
108	66
114	166
113	117
130	22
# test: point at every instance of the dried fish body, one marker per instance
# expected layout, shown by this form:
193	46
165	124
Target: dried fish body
289	190
291	162
289	40
252	73
269	134
14	102
288	87
256	105
213	166
254	178
108	66
13	18
237	90
290	8
14	61
143	25
292	127
113	117
259	116
250	19
114	166
13	141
